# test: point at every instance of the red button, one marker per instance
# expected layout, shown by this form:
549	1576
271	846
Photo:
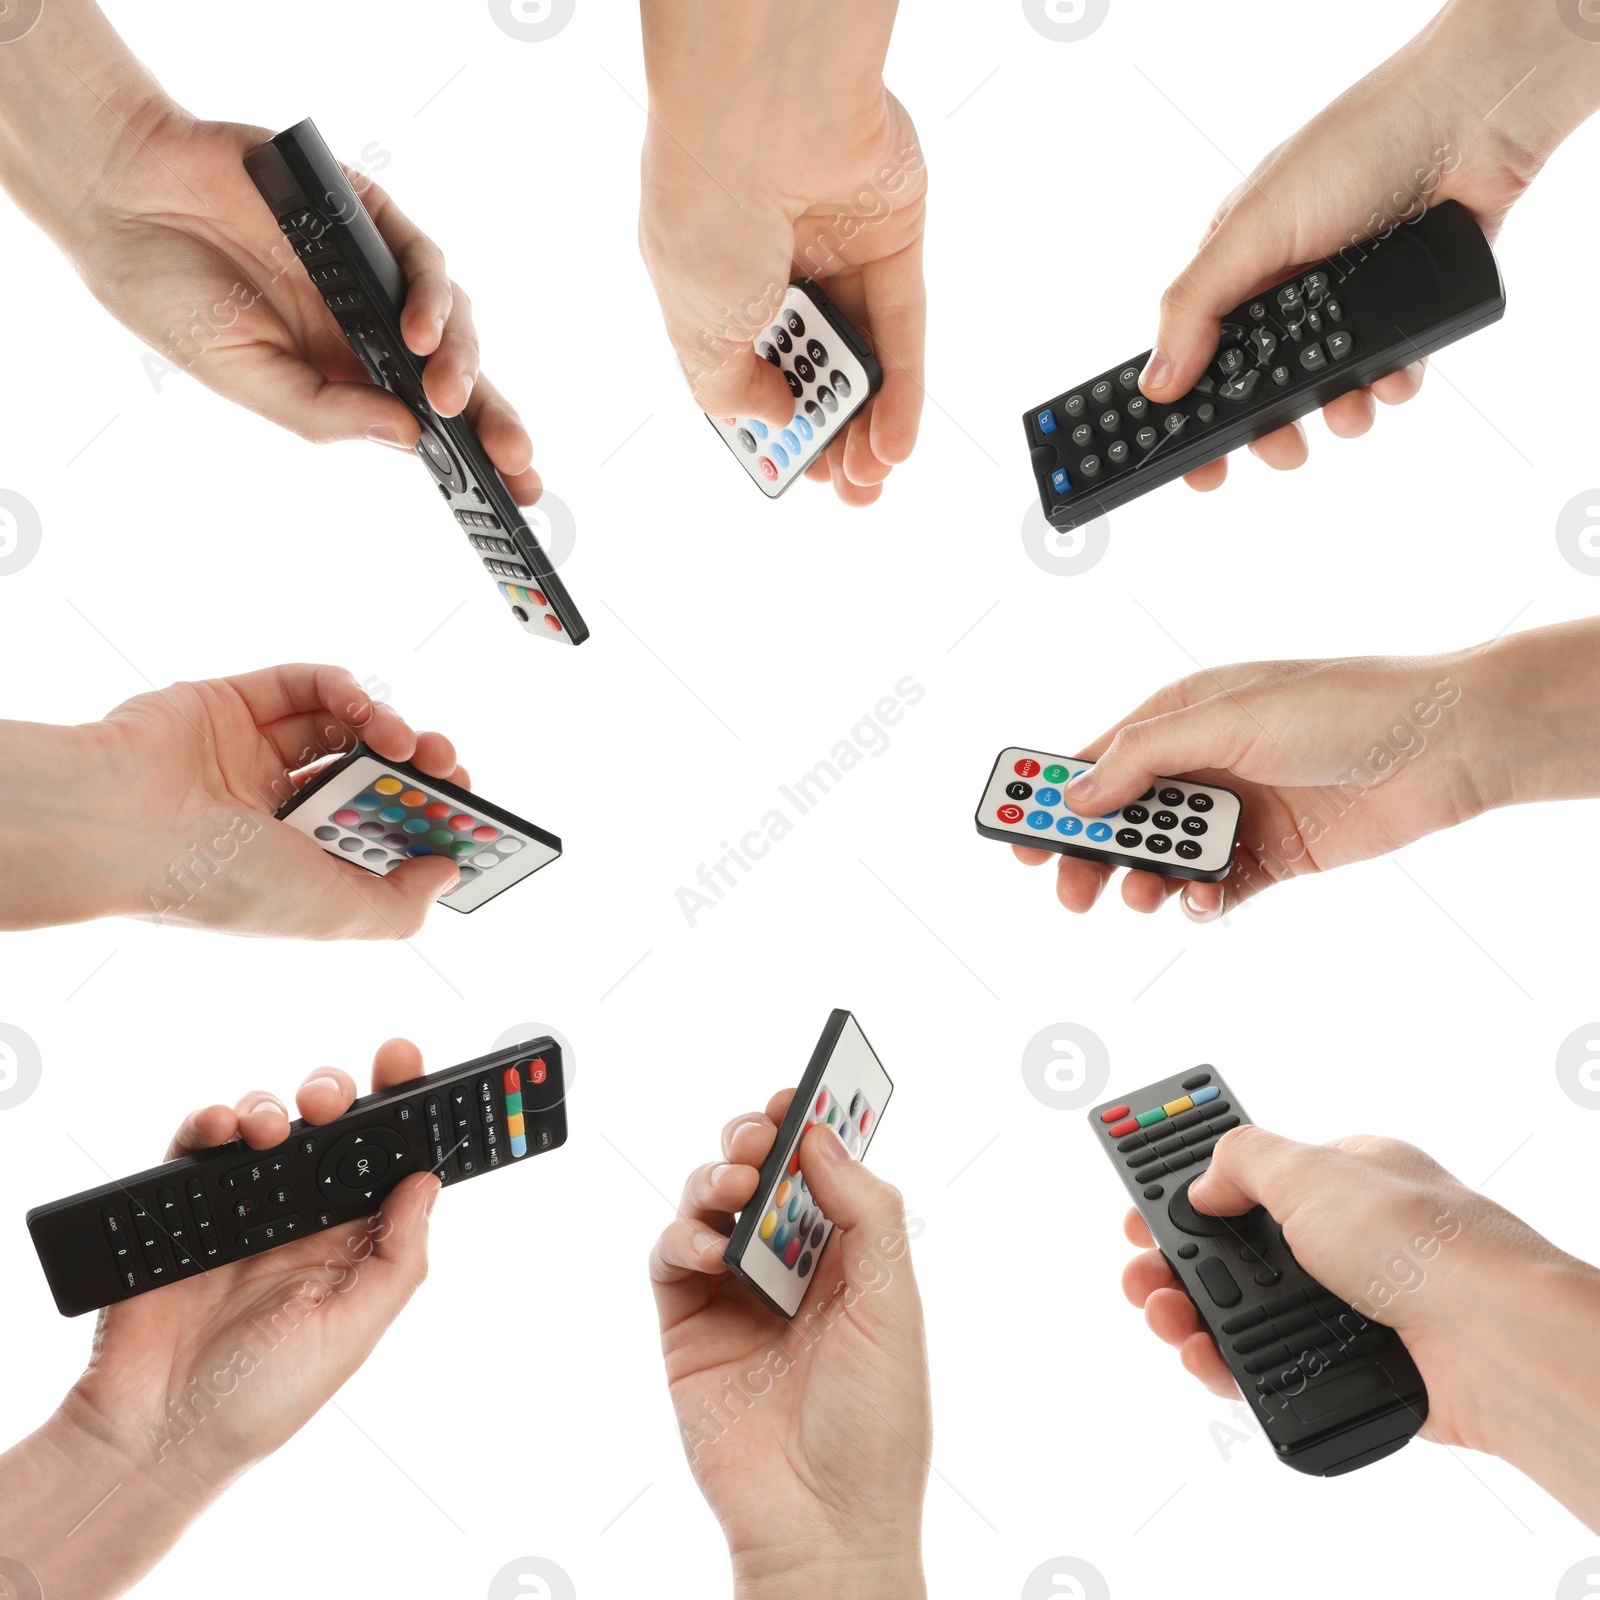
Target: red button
1026	768
1010	813
1130	1126
536	1071
1115	1114
551	623
768	471
512	1081
537	598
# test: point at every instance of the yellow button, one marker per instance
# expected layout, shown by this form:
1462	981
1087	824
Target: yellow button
388	786
1173	1107
769	1224
514	1125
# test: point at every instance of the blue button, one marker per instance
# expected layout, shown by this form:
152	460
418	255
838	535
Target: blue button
1099	831
1047	421
791	441
419	850
1060	482
1071	826
759	429
1047	797
779	454
1041	820
1200	1096
807	432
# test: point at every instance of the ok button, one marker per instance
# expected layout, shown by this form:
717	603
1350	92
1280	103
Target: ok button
363	1166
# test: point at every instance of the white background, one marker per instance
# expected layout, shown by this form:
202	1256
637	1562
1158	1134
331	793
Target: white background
518	1406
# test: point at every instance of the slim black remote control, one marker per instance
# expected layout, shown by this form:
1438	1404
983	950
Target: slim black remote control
1365	312
1333	1390
219	1206
361	282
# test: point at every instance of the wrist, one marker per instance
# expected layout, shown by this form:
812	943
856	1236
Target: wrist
838	1568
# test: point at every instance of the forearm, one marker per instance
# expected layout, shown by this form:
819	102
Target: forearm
62	857
1541	1394
1532	703
88	1517
71	96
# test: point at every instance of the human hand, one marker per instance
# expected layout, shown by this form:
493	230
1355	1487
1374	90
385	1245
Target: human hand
1333	762
1489	1309
189	1386
809	1439
1442	119
751	178
167	807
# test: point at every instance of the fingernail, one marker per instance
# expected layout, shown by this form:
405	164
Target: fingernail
321	1077
704	1241
1156	371
733	1132
471	378
427	1204
438	327
1199	912
383	434
717	1171
834	1148
1083	785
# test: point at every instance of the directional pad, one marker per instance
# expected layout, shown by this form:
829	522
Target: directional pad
1201	1225
359	1169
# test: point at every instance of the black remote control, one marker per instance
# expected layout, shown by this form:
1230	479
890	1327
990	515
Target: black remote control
219	1206
361	282
1363	313
1333	1390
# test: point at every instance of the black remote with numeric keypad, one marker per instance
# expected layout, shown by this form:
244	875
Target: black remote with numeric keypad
1368	311
215	1207
1332	1389
354	270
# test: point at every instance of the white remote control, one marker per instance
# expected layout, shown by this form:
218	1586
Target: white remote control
831	372
1176	828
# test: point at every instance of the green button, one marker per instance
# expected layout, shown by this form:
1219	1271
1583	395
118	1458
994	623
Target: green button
1145	1118
1057	773
441	837
462	847
514	1105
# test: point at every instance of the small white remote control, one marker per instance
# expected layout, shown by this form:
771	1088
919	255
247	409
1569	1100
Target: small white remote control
1176	828
831	372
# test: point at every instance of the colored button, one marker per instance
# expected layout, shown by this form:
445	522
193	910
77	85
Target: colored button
483	832
781	1198
747	440
759	429
1115	1114
1123	1127
415	825
791	441
1099	831
436	808
1173	1107
1060	482
392	813
552	623
1048	797
461	821
1047	421
1041	820
1057	773
537	1071
824	1101
388	786
1200	1096
366	802
1070	826
803	428
1010	814
769	1224
1026	768
779	454
1019	790
442	837
462	847
768	471
347	817
1146	1118
780	1240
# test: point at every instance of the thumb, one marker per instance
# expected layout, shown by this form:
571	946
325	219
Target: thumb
1245	249
739	383
1252	1167
868	1214
400	1235
402	899
1211	735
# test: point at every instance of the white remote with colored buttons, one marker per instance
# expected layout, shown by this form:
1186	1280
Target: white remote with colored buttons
831	372
1177	828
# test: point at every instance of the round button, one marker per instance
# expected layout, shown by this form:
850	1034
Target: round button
1090	466
1188	849
768	471
1040	820
814	415
1049	797
1099	831
1082	434
1073	405
780	337
1165	819
363	1166
1188	1251
1194	825
441	463
1010	815
1110	421
804	368
817	351
1188	1220
1171	797
1137	406
1019	790
768	353
841	384
830	401
791	441
1056	773
1118	453
1159	843
1174	422
1129	377
1145	438
1199	801
1101	392
1129	838
794	324
1153	1191
1070	827
1026	768
1135	813
796	387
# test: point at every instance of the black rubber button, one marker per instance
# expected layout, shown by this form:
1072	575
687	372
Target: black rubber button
1268	1276
841	384
1129	838
1198	1081
804	368
794	324
1188	1251
1200	801
1187	1220
1110	421
1154	1192
362	1168
1135	813
768	353
1019	790
1145	438
1241	1320
1090	466
1194	825
780	337
1101	392
1129	377
1082	434
1137	407
1165	819
1073	405
1170	796
796	387
818	351
1160	843
1220	1286
1188	849
1117	453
